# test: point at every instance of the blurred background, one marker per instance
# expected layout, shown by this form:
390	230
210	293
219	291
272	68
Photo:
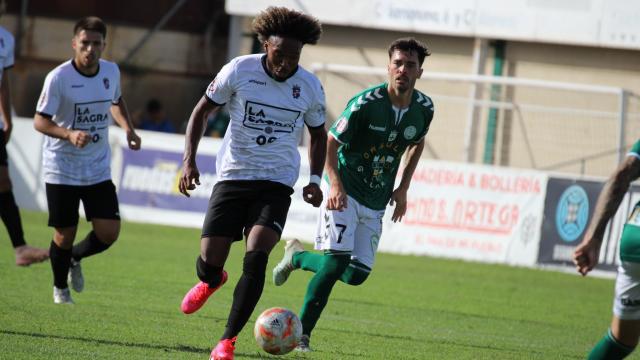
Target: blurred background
579	115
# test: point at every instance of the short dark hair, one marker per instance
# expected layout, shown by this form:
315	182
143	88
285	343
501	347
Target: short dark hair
410	44
91	23
280	21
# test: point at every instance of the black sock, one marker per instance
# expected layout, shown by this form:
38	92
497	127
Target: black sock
60	262
11	217
208	274
247	292
91	245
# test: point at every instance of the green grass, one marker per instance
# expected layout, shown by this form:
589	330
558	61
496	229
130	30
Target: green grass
409	308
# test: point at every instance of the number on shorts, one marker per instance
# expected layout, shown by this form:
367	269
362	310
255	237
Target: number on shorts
342	229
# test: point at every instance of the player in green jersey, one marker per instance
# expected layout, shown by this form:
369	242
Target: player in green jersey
378	126
622	337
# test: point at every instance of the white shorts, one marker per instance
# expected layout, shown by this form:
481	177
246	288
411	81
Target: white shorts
355	229
626	304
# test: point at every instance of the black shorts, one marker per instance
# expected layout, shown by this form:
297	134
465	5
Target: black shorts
3	150
99	201
235	206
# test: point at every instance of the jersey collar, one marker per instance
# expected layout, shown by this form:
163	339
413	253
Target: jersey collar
79	72
263	61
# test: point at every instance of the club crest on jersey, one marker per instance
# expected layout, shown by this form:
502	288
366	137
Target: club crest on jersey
105	81
295	91
410	132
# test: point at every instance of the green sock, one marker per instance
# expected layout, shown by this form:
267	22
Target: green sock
327	274
608	348
307	261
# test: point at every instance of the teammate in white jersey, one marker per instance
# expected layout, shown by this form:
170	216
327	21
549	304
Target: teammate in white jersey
77	103
270	99
25	254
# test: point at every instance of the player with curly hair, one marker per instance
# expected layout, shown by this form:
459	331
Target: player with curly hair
270	99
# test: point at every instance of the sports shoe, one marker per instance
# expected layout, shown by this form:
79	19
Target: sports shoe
198	295
303	345
284	268
62	296
224	350
75	277
27	255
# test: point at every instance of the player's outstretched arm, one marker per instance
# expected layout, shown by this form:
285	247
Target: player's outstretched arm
317	155
399	195
195	129
585	257
121	115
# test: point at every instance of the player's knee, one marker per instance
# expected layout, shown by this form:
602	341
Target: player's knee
335	265
356	277
208	274
5	184
108	237
255	263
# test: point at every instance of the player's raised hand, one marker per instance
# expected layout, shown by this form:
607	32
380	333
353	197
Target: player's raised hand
133	140
585	256
189	179
399	198
312	194
79	138
337	199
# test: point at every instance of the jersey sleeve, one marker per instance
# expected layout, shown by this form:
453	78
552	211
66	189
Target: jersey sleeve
221	88
635	150
428	117
315	116
9	59
117	94
346	126
49	101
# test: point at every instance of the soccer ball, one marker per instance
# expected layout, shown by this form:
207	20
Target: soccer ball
277	330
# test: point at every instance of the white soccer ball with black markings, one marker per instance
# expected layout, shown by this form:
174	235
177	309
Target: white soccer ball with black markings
278	330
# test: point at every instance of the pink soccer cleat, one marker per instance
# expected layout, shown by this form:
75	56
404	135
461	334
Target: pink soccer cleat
198	295
224	350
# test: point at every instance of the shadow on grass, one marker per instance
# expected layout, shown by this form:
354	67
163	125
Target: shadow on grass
176	348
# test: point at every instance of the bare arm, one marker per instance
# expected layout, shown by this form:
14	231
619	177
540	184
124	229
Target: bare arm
317	154
399	195
121	116
337	196
585	256
5	105
45	125
195	129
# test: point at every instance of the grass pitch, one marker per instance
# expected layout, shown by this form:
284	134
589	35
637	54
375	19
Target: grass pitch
409	308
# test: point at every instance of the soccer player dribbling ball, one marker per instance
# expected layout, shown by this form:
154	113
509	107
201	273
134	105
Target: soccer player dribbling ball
378	126
270	99
78	100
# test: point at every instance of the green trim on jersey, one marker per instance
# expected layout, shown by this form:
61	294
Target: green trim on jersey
630	238
635	148
373	142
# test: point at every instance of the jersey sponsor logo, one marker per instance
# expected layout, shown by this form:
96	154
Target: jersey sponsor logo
342	125
295	91
268	118
410	132
105	81
628	302
257	82
572	213
92	117
377	128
